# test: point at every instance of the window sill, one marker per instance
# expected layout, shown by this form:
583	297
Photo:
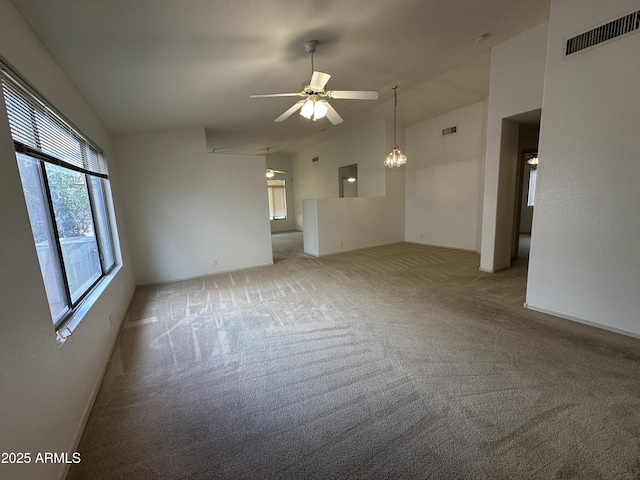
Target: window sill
74	319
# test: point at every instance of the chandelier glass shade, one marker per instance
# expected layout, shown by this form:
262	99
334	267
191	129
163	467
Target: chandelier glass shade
396	158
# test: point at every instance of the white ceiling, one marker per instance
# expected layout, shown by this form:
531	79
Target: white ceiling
149	65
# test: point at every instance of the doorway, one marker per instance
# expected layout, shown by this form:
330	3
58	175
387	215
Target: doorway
348	181
526	175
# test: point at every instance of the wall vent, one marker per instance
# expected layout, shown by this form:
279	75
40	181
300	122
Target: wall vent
616	28
315	159
450	130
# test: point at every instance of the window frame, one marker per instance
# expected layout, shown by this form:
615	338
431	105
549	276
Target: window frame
531	193
29	116
271	198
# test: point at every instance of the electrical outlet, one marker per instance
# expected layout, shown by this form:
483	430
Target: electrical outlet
340	242
111	321
215	262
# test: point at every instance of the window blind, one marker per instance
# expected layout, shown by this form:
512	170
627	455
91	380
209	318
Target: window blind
277	199
36	126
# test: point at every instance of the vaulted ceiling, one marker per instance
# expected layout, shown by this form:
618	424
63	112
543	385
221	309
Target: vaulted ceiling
150	65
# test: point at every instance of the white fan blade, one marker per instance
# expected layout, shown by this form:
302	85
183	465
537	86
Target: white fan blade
332	115
265	95
353	94
290	112
318	81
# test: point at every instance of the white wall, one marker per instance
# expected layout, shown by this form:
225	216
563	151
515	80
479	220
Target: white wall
192	213
282	162
46	391
515	86
310	235
375	217
365	146
345	224
444	179
584	261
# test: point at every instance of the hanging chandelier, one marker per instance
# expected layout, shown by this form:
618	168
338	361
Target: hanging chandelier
396	158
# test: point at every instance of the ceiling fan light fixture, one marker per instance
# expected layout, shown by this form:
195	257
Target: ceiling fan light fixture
314	106
396	158
307	109
314	109
270	173
320	110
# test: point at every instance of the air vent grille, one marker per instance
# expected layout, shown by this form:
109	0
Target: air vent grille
450	130
603	33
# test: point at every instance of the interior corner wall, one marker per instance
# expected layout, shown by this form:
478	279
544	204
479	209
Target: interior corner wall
192	213
584	261
375	217
310	233
444	177
364	145
47	391
282	162
515	86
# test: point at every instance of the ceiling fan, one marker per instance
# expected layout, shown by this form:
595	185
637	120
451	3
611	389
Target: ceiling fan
313	105
271	172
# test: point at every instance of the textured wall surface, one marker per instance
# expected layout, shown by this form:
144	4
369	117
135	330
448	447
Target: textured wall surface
192	213
584	246
46	391
444	179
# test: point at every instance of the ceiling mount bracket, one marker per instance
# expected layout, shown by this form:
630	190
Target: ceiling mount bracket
310	46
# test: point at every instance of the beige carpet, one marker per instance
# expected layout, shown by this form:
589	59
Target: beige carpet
402	361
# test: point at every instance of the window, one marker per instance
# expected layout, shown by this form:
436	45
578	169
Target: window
533	173
277	199
65	184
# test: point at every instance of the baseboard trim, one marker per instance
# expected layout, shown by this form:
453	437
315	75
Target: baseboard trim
195	277
349	250
591	323
489	270
94	395
460	249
